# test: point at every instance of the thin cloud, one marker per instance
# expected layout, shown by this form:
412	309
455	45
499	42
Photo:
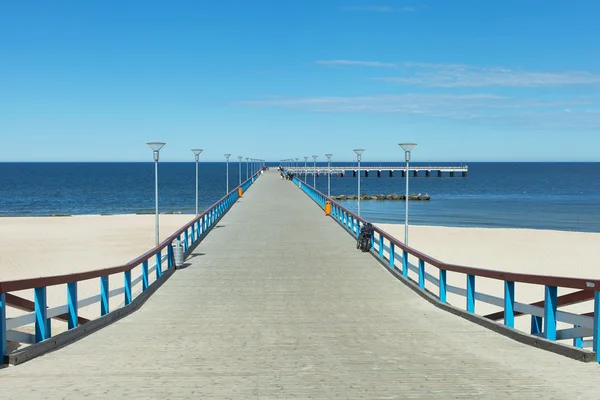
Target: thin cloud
584	113
334	63
460	75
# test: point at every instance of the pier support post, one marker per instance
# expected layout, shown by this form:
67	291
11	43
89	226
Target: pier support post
391	173
403	173
366	174
439	173
354	173
415	174
464	174
427	173
379	174
451	174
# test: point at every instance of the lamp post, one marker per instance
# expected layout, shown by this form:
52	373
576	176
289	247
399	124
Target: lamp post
197	154
305	172
227	173
156	146
407	147
358	153
240	169
328	155
314	171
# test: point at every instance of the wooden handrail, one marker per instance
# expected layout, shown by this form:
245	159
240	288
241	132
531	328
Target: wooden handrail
568	282
31	283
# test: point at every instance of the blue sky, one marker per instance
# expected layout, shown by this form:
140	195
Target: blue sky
465	79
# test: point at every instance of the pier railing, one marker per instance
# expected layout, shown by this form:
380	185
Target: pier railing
156	264
583	329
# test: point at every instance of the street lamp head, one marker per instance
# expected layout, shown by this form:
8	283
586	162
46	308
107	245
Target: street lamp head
197	151
247	158
305	158
296	158
359	151
328	155
240	158
315	157
156	146
407	146
227	156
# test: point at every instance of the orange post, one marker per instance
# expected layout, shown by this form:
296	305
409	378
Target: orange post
328	208
240	192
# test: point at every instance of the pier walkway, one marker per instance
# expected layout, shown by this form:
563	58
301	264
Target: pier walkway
276	302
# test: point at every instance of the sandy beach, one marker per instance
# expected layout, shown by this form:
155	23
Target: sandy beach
540	252
44	246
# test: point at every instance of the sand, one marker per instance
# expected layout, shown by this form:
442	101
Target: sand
43	246
540	252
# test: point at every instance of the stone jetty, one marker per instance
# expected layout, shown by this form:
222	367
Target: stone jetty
383	197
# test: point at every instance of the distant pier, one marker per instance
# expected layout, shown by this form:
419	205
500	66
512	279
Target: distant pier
429	171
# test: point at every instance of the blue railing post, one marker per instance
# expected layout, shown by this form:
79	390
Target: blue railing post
158	265
103	295
471	293
550	312
405	263
421	274
73	318
170	255
2	326
509	304
380	245
596	339
373	240
392	255
442	285
42	325
127	279
145	275
187	238
536	325
578	341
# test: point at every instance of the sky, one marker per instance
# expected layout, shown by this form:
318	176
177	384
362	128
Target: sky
468	80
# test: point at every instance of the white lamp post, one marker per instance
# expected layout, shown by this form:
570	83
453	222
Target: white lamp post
305	172
407	147
358	153
227	173
156	146
197	154
328	155
314	171
240	169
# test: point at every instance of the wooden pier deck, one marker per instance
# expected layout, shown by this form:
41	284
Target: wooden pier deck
277	302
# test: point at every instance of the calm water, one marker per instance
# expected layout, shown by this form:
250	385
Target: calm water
563	196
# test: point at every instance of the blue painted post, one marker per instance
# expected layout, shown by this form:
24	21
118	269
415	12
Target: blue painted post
596	339
103	295
158	265
405	263
127	279
421	274
471	293
550	312
198	230
145	275
193	229
170	255
442	286
380	246
578	341
392	255
73	317
372	240
357	228
509	304
41	321
187	238
2	326
536	325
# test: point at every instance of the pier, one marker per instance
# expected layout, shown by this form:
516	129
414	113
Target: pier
429	171
274	301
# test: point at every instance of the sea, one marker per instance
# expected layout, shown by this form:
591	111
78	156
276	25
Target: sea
557	196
